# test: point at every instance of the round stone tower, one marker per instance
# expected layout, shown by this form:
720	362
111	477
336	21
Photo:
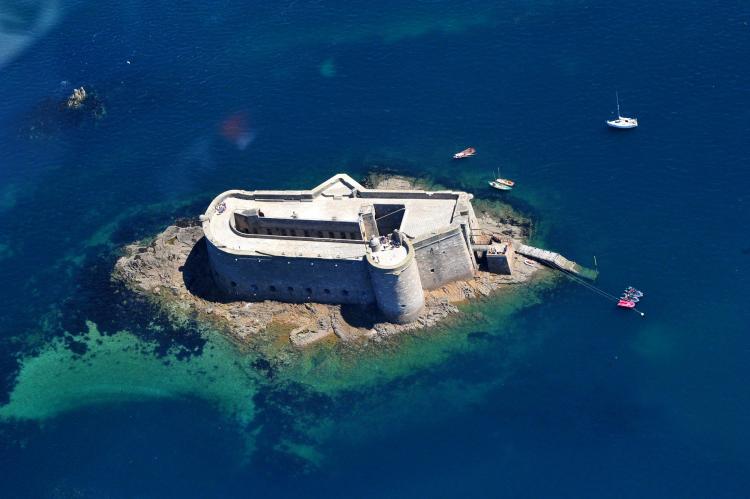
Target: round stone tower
395	280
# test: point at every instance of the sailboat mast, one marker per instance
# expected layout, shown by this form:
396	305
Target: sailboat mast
617	96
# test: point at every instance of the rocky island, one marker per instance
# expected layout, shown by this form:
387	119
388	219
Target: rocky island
340	262
56	114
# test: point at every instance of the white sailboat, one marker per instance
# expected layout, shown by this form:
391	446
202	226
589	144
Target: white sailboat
622	121
502	184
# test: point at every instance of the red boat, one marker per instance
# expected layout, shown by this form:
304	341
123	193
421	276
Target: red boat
625	304
466	153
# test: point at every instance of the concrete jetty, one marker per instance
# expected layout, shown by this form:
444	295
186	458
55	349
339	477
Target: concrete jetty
556	260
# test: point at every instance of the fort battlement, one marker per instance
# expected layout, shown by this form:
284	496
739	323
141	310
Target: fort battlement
340	243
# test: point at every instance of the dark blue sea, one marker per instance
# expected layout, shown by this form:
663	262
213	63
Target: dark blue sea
562	395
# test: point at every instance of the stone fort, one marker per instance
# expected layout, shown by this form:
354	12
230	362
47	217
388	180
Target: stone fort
341	243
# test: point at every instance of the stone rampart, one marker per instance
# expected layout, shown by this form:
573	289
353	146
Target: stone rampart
443	258
250	222
290	279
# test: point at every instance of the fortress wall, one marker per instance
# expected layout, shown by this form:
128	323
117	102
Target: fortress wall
292	227
398	289
443	258
310	195
405	195
291	279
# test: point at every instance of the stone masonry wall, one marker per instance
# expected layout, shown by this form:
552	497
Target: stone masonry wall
291	279
398	290
443	258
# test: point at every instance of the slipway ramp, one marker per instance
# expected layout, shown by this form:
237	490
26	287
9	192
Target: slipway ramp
556	260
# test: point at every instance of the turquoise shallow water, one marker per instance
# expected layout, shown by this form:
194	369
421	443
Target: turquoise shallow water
566	398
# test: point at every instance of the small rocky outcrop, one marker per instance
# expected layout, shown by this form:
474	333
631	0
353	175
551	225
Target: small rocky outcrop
54	115
75	100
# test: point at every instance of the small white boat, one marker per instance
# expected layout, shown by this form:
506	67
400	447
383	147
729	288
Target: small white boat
466	153
502	184
622	121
